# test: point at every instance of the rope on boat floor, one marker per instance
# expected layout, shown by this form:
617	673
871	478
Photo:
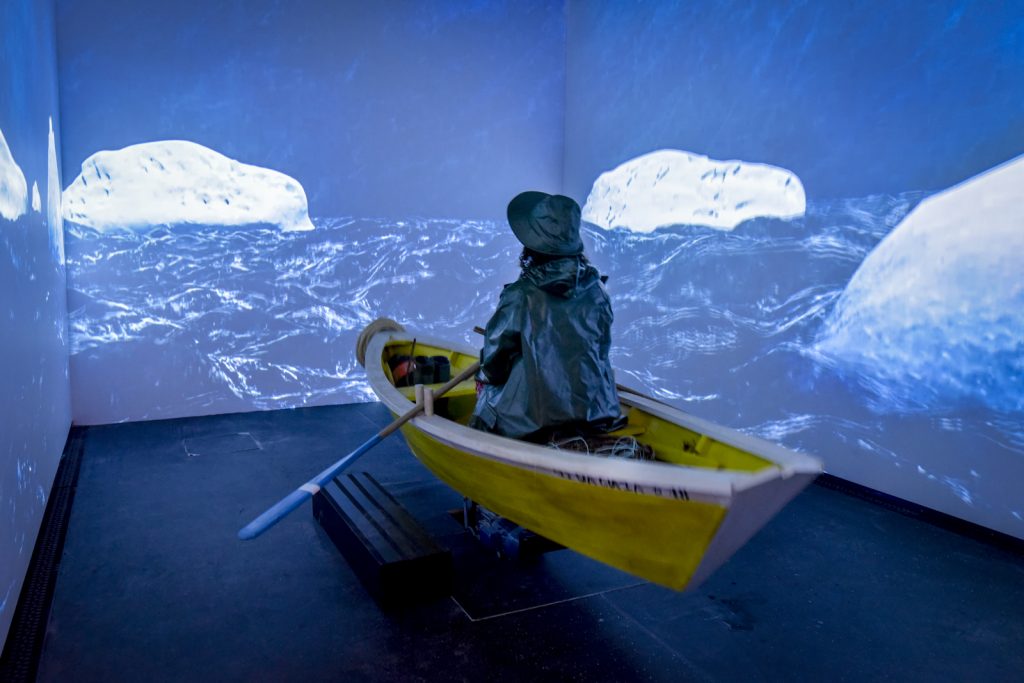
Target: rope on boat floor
605	446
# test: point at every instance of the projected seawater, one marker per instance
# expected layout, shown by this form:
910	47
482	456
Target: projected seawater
881	327
887	324
193	286
226	317
770	210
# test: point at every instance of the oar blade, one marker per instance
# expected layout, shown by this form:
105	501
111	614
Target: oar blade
274	514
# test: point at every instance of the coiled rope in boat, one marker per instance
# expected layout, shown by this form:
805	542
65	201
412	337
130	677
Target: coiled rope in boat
604	446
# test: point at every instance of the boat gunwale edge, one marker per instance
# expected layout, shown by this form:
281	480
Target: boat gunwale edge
652	478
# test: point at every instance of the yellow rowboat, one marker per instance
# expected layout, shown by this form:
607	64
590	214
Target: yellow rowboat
671	521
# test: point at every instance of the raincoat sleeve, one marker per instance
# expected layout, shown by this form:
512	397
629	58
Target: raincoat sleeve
502	339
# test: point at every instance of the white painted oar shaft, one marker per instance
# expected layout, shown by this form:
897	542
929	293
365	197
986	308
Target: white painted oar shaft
293	500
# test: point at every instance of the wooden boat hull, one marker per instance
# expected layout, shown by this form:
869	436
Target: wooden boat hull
662	521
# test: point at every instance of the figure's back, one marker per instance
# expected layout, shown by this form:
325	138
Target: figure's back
565	325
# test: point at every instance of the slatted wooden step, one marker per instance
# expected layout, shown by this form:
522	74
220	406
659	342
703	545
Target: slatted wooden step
394	557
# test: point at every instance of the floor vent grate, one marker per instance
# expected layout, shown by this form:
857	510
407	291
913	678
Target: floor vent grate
20	660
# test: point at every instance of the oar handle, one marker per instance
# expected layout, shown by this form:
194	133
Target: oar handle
293	500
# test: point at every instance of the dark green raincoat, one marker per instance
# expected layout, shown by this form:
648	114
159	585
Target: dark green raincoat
545	362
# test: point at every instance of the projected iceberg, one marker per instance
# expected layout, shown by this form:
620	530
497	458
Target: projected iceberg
672	187
13	188
176	182
939	303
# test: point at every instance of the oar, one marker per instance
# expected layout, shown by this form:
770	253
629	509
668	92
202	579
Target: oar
619	387
297	497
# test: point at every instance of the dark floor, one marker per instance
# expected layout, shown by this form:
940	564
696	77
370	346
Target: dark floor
154	586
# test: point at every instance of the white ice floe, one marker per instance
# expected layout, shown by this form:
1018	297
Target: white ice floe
672	187
54	218
174	182
37	202
13	188
940	301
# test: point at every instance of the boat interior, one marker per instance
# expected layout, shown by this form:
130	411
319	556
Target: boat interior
669	442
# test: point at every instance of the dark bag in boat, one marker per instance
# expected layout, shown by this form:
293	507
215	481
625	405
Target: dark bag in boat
423	370
407	371
442	369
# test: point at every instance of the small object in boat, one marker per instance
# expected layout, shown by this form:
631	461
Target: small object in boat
442	369
401	367
423	370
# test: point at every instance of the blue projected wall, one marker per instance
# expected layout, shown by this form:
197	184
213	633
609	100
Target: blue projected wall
34	400
390	109
809	212
250	183
811	215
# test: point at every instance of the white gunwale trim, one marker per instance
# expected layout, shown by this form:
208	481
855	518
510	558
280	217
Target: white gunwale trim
653	478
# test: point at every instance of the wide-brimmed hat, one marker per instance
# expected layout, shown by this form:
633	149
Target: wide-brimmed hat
546	223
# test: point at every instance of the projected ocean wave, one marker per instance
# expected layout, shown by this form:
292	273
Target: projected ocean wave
724	324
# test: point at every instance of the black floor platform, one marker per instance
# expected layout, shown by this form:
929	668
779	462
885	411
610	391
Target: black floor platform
154	586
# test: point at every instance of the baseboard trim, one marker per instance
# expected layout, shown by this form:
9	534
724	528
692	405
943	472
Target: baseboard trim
925	514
